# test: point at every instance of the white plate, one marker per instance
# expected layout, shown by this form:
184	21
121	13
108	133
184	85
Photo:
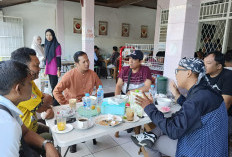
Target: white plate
90	126
69	127
136	118
108	117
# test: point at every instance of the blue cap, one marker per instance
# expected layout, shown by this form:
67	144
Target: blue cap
136	54
152	86
100	86
86	94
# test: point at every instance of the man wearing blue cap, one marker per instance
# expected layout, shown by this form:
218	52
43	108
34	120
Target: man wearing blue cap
200	127
134	76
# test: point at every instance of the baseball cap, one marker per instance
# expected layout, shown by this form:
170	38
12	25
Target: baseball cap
136	54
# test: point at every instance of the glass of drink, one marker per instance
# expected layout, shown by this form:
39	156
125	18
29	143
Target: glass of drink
130	114
73	104
61	123
99	109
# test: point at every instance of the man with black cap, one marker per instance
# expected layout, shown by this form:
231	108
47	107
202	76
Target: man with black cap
139	76
132	77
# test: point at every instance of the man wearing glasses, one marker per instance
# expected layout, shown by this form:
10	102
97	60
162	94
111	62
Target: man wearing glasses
199	128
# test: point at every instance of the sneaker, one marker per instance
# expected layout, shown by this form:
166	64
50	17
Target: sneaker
146	139
109	77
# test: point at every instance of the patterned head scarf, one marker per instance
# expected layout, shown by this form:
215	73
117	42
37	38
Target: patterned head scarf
195	65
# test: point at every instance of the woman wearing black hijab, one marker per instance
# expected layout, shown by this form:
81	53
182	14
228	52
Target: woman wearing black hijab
53	57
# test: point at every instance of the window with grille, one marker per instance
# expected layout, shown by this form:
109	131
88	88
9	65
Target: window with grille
212	24
211	35
214	9
11	35
163	25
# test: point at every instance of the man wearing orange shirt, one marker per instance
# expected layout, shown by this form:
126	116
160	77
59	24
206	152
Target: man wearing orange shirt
77	81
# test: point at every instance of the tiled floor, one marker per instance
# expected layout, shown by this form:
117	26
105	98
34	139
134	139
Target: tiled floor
107	146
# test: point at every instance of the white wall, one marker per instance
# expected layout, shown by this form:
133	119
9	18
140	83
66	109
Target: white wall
135	16
38	16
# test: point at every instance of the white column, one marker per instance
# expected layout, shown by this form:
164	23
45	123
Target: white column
60	24
227	31
88	30
181	34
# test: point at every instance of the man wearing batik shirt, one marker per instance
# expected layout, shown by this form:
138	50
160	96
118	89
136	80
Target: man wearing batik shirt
140	75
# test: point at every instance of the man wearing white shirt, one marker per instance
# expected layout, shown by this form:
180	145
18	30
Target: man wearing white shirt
15	86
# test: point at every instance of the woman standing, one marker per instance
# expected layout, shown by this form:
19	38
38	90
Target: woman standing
53	57
36	45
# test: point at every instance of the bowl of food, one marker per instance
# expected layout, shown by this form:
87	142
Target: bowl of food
164	102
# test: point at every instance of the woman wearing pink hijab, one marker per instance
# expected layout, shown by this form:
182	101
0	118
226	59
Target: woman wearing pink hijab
52	58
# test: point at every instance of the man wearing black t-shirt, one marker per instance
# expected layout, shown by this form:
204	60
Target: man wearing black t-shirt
220	79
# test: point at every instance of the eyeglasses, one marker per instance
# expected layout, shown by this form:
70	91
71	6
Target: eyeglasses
176	70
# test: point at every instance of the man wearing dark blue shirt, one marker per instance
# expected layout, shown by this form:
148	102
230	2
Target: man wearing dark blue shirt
201	125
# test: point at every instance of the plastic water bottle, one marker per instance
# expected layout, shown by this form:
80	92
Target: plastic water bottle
153	91
156	83
100	95
86	101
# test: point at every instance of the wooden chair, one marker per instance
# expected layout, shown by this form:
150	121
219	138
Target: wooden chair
115	72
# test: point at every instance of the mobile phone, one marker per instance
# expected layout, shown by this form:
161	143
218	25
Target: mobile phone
69	120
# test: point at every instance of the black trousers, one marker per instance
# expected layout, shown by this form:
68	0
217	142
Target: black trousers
53	79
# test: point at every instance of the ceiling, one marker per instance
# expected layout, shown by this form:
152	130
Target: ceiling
108	3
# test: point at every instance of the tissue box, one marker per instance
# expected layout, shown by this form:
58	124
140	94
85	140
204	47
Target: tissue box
137	108
107	108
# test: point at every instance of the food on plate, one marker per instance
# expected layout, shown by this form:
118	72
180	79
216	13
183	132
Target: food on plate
108	122
165	109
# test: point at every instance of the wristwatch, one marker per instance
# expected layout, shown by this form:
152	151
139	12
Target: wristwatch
44	143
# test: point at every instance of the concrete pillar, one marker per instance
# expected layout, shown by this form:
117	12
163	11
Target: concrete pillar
88	30
60	24
181	34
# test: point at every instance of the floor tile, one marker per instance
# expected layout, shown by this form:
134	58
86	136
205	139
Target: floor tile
104	142
108	85
131	149
112	152
124	137
82	150
90	155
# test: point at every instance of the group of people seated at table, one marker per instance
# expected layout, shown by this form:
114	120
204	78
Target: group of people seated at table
109	64
199	128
